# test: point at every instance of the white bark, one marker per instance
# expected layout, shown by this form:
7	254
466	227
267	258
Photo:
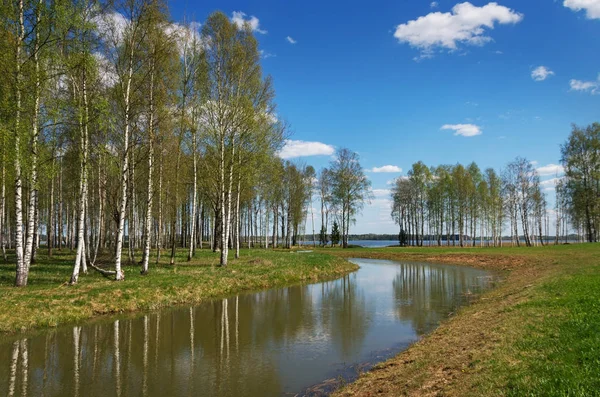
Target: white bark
159	226
83	186
150	191
266	225
22	269
24	367
227	220
117	358
33	189
13	369
145	357
194	193
237	218
60	231
3	200
119	275
76	358
312	215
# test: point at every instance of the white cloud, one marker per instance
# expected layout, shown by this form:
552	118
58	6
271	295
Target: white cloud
265	55
108	75
434	4
111	26
239	19
381	192
591	7
290	40
593	87
465	24
541	73
467	130
386	168
185	36
293	149
383	203
550	169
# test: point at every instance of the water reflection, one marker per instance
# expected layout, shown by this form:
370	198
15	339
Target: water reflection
263	344
423	294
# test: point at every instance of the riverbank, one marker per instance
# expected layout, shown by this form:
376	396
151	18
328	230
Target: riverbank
49	302
536	334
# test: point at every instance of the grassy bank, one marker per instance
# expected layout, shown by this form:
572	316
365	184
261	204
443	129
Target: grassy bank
48	301
537	334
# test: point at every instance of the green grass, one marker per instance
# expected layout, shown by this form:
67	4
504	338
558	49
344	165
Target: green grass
558	352
48	301
537	334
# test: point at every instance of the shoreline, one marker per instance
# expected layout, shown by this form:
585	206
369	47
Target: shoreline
50	303
473	352
500	344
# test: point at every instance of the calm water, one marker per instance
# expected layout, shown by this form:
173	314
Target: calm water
373	243
271	343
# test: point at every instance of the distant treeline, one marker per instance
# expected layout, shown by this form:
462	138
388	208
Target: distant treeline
395	237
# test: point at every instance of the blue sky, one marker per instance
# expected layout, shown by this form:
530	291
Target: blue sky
383	78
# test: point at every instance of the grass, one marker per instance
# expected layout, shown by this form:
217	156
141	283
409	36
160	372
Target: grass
49	302
537	334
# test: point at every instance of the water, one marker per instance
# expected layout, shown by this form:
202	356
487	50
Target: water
361	243
427	243
271	343
373	243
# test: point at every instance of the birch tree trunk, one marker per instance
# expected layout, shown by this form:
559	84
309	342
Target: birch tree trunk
275	225
312	215
266	225
194	193
176	195
36	230
50	228
3	200
33	189
150	192
83	185
227	221
60	230
159	226
223	243
237	218
22	269
119	275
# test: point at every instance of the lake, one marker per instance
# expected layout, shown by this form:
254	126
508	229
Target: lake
278	342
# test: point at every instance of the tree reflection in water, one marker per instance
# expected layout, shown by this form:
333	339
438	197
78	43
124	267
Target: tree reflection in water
425	295
260	344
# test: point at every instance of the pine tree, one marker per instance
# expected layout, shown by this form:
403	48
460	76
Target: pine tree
403	238
323	238
335	234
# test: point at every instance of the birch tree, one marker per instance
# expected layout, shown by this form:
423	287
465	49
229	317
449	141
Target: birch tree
17	13
581	160
235	85
125	28
351	187
159	48
82	75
